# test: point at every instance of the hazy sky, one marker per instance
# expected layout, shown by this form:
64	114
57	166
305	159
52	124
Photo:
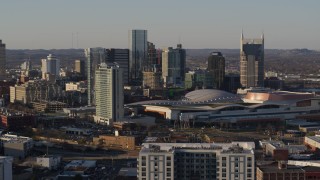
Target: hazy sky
33	24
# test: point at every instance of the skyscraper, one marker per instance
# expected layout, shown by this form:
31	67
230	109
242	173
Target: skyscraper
173	66
51	66
79	67
152	57
109	93
2	60
251	62
138	49
94	57
216	67
121	57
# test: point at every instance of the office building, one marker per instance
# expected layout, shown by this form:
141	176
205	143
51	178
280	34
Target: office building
152	57
216	67
2	60
109	94
34	91
201	161
251	62
50	66
49	161
94	57
79	67
6	167
199	78
173	66
121	58
138	50
152	80
16	146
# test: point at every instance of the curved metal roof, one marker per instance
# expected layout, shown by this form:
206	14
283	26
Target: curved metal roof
207	95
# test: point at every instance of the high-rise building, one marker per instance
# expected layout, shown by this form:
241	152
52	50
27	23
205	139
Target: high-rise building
2	60
94	57
50	66
152	80
216	67
251	62
120	57
79	67
201	161
173	66
26	67
138	50
152	57
109	94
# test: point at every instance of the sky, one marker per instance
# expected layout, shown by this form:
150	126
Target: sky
52	24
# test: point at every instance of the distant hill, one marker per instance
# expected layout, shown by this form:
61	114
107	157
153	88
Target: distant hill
280	60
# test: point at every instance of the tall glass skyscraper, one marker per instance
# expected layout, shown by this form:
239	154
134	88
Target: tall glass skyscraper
109	93
251	62
138	54
216	67
94	57
2	60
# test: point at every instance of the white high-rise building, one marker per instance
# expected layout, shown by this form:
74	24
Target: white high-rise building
51	66
204	161
138	54
108	93
6	167
2	60
94	57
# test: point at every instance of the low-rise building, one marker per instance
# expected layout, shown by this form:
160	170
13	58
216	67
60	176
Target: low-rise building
16	146
288	171
121	142
50	162
196	161
15	120
48	106
76	86
313	142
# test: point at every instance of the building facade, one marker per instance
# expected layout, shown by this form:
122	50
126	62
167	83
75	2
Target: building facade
152	80
50	66
251	62
2	60
34	91
120	57
138	53
79	67
173	66
202	161
16	146
6	167
216	67
94	57
109	94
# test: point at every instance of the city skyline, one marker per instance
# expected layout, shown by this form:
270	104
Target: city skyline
286	24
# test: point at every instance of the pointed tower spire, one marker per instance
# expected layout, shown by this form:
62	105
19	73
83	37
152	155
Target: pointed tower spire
241	34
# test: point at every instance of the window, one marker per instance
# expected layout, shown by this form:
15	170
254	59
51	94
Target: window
155	164
224	158
143	158
168	169
249	158
168	158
